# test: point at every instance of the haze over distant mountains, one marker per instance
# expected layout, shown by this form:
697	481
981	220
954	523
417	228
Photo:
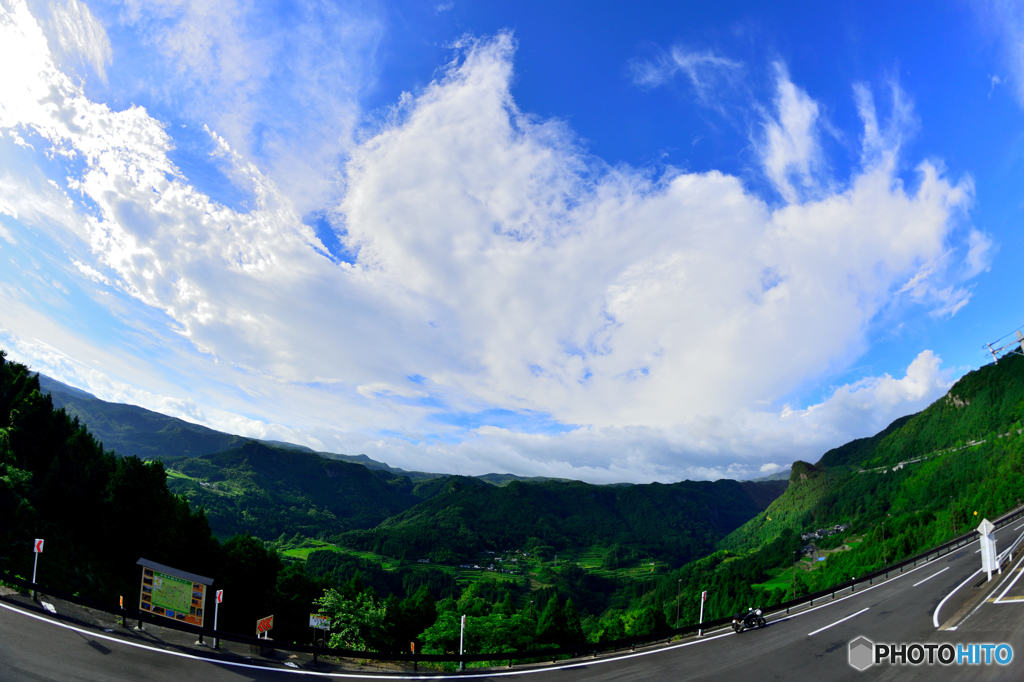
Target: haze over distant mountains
132	430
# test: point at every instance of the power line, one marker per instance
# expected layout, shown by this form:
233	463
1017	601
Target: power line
1015	347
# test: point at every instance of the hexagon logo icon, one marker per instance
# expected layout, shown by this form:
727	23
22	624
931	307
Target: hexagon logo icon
862	653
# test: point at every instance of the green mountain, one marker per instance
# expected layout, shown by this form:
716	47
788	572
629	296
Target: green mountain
961	444
671	522
266	491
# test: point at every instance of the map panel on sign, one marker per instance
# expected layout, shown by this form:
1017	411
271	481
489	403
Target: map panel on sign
172	594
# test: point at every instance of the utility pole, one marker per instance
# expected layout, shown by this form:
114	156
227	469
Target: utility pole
884	555
792	583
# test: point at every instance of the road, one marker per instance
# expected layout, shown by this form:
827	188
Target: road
808	644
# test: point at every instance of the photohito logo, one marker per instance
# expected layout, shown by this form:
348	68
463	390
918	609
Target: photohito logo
863	653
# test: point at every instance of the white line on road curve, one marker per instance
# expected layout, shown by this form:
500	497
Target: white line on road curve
931	576
935	616
1019	527
854	615
377	676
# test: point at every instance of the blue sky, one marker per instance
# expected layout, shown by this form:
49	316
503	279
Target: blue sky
602	241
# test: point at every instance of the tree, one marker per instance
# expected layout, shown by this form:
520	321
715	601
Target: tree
551	626
357	623
573	633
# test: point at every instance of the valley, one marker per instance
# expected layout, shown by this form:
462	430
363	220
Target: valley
556	561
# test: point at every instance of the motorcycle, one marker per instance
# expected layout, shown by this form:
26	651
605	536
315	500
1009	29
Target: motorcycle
753	618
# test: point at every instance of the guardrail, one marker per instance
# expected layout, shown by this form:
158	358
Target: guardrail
589	649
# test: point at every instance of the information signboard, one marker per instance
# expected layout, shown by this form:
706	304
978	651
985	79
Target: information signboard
319	622
172	593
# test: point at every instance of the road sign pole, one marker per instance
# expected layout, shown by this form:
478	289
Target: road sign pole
37	548
216	610
700	623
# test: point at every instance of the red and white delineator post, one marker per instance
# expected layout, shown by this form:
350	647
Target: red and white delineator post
37	548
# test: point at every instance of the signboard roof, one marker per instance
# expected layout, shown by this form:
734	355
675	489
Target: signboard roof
184	575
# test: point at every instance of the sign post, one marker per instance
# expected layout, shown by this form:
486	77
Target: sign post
264	626
37	548
703	598
989	558
216	610
318	622
462	637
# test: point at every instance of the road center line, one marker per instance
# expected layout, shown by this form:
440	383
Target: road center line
930	577
811	634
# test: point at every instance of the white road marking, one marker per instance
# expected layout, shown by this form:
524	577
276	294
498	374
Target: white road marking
1008	588
931	576
854	615
935	616
377	676
1019	527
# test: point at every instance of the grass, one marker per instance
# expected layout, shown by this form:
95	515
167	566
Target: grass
782	580
226	488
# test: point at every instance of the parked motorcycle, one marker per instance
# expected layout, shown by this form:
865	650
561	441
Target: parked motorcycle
753	618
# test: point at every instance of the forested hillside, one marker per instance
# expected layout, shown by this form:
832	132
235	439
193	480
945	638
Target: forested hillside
673	522
267	491
914	485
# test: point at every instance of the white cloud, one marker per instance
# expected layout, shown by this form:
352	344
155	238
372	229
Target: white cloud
503	268
1005	19
701	68
76	34
281	87
790	150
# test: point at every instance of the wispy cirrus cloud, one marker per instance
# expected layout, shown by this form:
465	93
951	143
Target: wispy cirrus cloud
705	71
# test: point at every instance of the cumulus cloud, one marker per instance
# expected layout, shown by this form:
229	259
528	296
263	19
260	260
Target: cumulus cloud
500	266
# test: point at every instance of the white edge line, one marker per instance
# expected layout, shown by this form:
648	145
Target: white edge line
1008	587
935	616
471	675
784	616
852	615
377	676
930	577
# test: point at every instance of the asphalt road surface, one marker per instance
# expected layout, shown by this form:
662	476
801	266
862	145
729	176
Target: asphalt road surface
810	643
